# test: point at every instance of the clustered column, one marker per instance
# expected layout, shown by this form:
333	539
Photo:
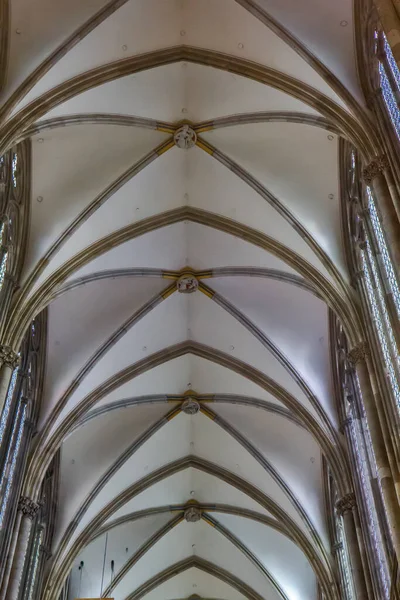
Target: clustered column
358	358
27	511
345	508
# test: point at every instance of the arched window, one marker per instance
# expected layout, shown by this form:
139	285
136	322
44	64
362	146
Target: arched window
3	254
389	79
379	277
371	508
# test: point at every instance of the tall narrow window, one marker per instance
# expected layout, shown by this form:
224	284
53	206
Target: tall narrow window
34	562
365	477
375	291
11	460
389	77
3	254
14	165
7	405
383	249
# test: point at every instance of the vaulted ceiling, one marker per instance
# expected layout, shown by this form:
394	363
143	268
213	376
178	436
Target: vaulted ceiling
119	213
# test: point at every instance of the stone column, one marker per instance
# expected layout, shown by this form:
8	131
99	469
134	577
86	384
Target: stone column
358	358
374	175
8	361
345	507
28	509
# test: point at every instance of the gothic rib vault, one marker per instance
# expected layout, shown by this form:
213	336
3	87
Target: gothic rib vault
181	144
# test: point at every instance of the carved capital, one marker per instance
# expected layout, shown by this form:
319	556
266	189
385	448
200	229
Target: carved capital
192	514
375	168
8	357
28	507
190	406
346	504
358	353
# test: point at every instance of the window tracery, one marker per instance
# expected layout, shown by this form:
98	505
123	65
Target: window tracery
380	238
374	274
371	264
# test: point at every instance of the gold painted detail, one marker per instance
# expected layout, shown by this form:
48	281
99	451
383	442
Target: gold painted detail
346	504
167	146
205	147
375	168
8	357
358	353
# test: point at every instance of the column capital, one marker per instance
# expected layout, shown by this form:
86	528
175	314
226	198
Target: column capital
8	357
358	353
346	504
28	507
375	168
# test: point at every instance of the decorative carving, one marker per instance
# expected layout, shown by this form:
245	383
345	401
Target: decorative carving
190	406
358	353
345	504
344	424
8	357
375	168
363	245
192	514
187	284
185	137
337	547
45	550
28	507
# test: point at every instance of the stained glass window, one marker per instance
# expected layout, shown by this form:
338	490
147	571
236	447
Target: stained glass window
373	523
7	404
391	61
14	164
34	565
3	268
11	460
383	249
376	304
390	100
